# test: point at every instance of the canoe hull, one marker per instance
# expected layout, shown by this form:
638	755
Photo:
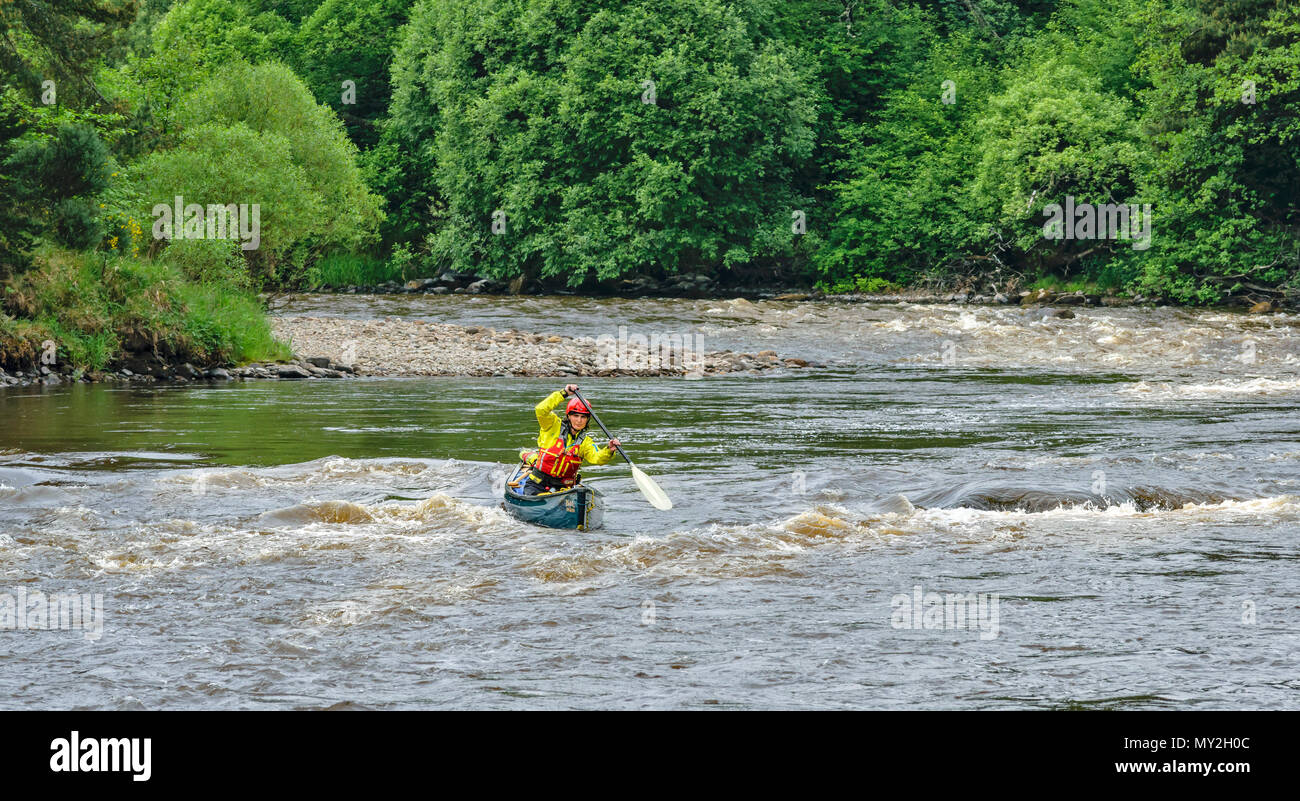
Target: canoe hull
581	507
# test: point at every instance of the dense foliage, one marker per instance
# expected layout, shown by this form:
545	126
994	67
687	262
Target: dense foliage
604	141
855	143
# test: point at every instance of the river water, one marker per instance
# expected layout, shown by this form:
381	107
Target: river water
1116	496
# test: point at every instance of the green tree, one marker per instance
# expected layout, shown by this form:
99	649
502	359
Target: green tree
54	179
60	41
1224	115
1053	132
190	44
905	207
352	40
254	134
51	158
535	111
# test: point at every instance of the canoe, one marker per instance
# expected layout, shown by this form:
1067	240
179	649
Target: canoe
580	507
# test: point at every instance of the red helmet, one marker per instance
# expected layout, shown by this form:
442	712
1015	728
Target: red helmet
576	405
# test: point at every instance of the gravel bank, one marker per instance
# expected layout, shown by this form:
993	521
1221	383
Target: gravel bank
398	347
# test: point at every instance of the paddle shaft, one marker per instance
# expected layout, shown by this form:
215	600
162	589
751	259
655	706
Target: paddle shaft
578	395
656	496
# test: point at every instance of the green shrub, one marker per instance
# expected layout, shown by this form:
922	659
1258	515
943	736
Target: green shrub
95	306
871	285
75	223
254	135
346	269
209	261
47	184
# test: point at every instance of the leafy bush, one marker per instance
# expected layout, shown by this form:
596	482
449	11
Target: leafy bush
348	269
96	306
53	178
209	261
255	136
75	223
872	285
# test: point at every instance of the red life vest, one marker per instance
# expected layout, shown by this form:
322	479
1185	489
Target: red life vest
559	462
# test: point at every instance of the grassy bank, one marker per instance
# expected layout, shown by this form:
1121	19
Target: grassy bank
347	269
97	309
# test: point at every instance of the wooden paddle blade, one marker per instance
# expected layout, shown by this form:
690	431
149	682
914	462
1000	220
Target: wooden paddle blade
656	496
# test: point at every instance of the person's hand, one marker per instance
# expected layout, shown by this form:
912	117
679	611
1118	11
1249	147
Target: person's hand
570	389
613	444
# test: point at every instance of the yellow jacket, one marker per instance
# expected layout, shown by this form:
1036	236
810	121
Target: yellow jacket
550	424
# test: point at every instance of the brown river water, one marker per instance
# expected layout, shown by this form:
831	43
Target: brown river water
1115	496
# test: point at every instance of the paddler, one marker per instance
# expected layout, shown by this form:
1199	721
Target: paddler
563	444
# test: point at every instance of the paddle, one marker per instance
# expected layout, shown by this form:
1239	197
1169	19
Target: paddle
657	497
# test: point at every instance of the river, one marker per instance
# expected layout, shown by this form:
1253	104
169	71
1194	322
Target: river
1117	496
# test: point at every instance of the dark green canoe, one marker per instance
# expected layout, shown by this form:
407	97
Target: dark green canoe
580	507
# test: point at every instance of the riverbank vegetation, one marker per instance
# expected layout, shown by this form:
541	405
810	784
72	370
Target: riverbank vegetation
859	145
87	310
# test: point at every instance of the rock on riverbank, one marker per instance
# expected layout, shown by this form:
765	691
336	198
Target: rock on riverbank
157	371
399	347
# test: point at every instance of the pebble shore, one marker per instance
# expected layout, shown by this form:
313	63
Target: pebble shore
399	347
333	348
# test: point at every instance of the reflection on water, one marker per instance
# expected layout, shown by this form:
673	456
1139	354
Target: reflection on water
303	545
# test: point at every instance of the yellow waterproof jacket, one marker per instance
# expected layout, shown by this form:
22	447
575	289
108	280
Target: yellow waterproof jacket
550	425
